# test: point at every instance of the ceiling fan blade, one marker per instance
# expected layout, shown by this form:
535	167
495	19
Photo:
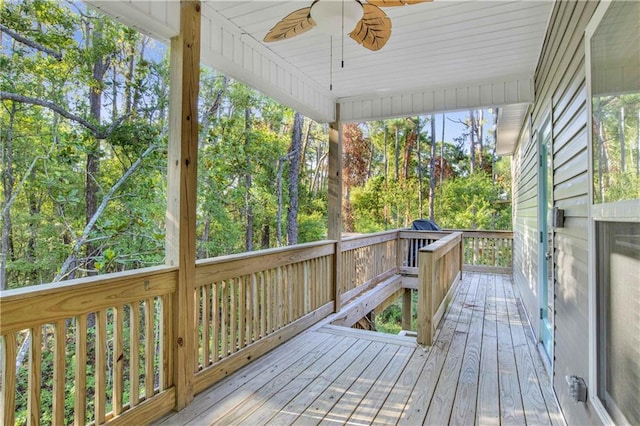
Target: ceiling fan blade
293	24
393	3
374	29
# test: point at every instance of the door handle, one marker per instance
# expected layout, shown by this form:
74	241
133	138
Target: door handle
548	256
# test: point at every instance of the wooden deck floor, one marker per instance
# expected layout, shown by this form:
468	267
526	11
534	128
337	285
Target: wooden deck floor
484	368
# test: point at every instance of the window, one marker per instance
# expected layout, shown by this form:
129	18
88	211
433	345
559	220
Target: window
613	70
618	272
615	97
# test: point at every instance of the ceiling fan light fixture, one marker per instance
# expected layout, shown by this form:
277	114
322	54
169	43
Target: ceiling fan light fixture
329	15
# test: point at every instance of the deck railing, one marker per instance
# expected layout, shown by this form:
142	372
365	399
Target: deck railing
366	261
484	251
104	346
440	270
246	304
101	344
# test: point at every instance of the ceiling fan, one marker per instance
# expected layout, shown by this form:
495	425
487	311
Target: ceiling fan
371	25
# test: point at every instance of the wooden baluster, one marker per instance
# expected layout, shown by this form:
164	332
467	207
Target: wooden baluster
249	312
279	299
224	329
150	348
100	404
269	301
134	361
206	325
118	359
215	311
7	414
80	397
242	313
233	320
289	294
195	330
310	287
165	336
262	304
59	358
35	370
254	302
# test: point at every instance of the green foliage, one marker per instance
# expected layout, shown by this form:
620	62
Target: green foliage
472	203
616	148
311	227
244	136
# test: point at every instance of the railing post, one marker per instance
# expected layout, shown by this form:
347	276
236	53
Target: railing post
426	281
461	251
182	191
335	202
406	309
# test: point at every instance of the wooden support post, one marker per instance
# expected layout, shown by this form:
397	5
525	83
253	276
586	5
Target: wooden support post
335	202
181	192
461	254
426	283
406	309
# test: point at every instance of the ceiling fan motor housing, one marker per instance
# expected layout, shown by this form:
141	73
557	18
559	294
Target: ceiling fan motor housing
336	17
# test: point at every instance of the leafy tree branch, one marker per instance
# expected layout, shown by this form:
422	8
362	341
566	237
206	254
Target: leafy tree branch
31	43
84	238
97	132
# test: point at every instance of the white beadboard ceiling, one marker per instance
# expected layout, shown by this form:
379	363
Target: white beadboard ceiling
442	56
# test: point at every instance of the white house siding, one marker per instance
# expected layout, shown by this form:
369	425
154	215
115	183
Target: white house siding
525	217
561	91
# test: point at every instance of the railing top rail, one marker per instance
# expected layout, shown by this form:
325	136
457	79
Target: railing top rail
261	253
442	246
357	241
413	233
483	233
236	265
94	281
46	304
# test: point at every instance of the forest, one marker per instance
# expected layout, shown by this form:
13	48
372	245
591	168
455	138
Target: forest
83	125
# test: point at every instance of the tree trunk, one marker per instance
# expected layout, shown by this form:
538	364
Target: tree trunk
266	236
295	151
8	181
419	155
303	154
442	150
480	137
395	209
432	168
397	156
92	168
623	147
386	158
472	143
638	156
203	252
281	161
408	147
248	208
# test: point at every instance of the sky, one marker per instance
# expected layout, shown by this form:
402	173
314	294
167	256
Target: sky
453	129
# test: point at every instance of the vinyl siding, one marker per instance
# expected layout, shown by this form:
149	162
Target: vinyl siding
561	91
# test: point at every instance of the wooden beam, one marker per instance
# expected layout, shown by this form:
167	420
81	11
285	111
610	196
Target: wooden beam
335	201
182	187
406	309
367	302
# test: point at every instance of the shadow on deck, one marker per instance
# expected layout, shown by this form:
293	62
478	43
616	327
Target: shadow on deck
484	368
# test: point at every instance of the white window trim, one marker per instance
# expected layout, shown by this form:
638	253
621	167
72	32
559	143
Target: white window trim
622	211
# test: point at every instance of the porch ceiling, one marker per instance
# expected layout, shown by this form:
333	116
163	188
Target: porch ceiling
442	56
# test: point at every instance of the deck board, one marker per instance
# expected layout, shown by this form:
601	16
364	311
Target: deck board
484	368
464	406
